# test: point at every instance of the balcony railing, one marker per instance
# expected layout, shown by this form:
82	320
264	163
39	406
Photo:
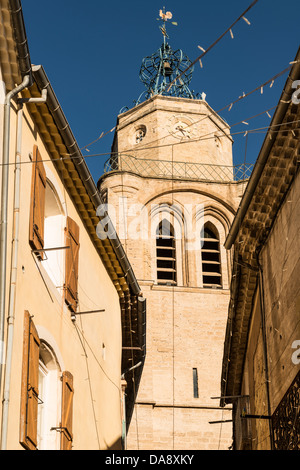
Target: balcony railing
177	170
286	419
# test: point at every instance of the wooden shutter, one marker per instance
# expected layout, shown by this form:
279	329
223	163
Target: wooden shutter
29	386
67	411
72	256
37	203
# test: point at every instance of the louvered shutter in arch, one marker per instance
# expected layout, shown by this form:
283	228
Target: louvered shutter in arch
211	261
72	258
166	254
37	203
67	411
29	386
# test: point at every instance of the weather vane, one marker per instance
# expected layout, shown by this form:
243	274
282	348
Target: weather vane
165	16
163	67
166	72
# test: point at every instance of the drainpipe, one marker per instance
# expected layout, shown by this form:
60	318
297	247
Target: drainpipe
4	208
123	401
14	265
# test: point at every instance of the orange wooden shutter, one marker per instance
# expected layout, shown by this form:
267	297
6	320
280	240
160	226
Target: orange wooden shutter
37	204
72	256
67	411
29	386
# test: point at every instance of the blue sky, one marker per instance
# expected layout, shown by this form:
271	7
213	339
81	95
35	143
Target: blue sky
92	52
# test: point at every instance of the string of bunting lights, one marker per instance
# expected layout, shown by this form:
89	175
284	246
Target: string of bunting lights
165	17
66	156
204	52
228	106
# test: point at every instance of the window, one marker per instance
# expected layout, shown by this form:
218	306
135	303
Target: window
195	383
37	206
54	221
49	403
30	385
46	396
71	269
211	266
165	254
53	243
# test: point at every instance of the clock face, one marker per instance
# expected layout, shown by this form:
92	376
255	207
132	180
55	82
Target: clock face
182	127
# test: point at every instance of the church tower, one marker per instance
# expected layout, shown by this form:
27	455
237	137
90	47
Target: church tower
172	192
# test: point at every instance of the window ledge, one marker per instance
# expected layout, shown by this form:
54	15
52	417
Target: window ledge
158	287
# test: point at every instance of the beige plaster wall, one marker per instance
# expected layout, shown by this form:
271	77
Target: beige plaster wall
90	348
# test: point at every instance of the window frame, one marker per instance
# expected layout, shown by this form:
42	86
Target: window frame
173	214
49	406
33	369
211	250
54	260
168	260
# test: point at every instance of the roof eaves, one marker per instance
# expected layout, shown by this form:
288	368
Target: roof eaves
21	39
75	154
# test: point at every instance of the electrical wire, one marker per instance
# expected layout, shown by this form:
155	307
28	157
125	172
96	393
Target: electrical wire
214	43
83	342
255	130
96	359
271	80
99	138
173	315
228	106
68	157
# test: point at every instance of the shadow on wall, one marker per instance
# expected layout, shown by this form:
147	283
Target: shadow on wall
117	445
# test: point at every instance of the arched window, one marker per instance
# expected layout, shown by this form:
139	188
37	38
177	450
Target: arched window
211	264
49	406
46	394
165	254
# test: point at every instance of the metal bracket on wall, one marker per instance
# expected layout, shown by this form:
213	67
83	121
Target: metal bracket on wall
229	396
73	316
43	250
221	421
59	429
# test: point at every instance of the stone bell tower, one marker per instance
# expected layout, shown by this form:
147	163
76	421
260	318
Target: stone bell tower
172	192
